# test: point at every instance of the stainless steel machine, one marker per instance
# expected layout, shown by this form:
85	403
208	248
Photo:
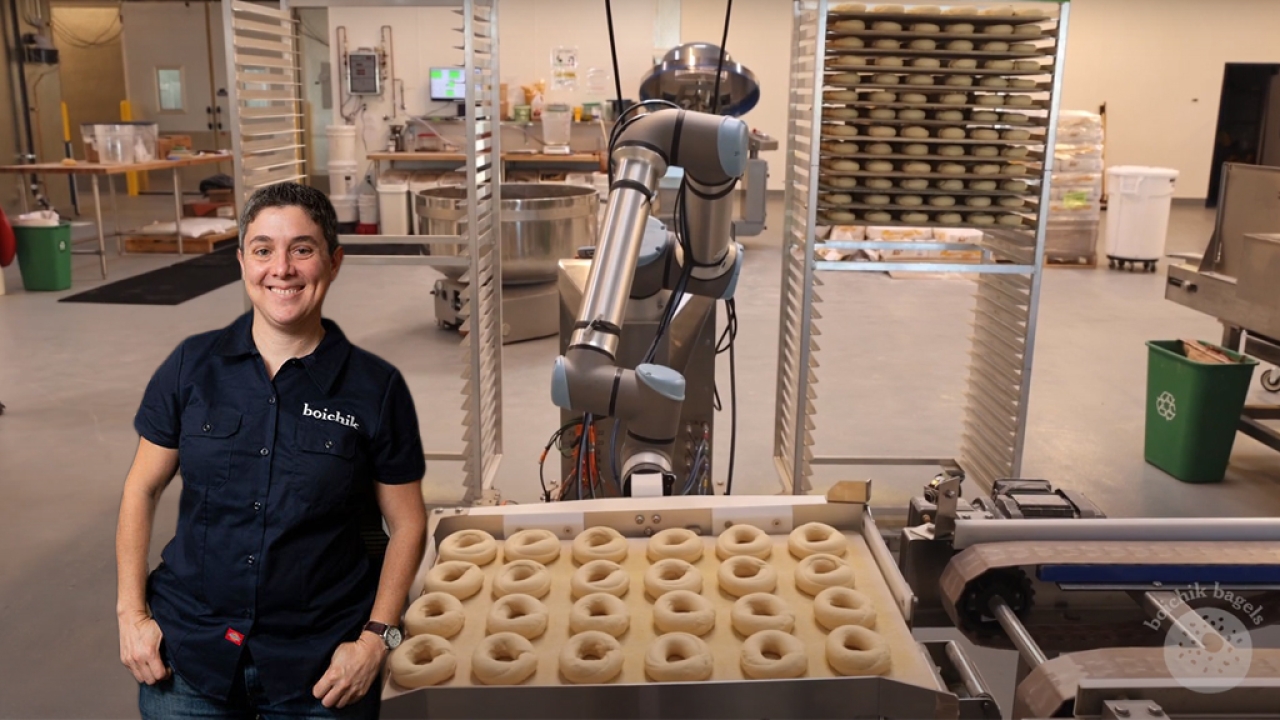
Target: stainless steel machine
1236	280
540	224
687	77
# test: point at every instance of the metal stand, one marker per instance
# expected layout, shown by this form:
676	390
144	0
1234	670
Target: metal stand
1008	278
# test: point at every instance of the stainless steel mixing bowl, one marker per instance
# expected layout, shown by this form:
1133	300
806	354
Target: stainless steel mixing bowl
541	224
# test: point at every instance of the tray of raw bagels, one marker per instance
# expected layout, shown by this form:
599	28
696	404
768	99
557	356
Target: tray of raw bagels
933	116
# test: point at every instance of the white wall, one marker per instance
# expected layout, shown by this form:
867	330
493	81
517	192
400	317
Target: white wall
168	34
1158	65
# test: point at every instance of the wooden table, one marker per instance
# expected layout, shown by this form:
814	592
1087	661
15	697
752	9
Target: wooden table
454	158
95	170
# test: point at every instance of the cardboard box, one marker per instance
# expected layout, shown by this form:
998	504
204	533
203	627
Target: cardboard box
178	141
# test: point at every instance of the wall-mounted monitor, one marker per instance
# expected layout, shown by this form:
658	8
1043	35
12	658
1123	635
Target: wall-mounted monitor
447	83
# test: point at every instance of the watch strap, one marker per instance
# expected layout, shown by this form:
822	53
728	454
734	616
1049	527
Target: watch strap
377	628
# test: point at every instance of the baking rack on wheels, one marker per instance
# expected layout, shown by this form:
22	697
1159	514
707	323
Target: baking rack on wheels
909	684
922	117
261	50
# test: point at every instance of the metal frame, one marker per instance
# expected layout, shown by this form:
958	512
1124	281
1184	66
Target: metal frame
1008	291
282	124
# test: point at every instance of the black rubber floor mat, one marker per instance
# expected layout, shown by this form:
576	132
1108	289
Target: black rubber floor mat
172	285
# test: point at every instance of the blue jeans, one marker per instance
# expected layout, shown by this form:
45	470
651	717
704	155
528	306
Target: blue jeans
176	699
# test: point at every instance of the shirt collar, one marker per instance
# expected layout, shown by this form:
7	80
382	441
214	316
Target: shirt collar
323	364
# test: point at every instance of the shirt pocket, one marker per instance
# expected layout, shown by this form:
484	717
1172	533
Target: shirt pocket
326	464
207	442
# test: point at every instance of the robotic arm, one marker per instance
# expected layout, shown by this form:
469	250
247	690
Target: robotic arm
713	150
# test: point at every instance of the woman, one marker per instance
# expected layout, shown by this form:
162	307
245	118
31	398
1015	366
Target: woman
266	602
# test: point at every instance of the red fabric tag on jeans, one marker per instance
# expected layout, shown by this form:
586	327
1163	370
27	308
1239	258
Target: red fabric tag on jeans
234	637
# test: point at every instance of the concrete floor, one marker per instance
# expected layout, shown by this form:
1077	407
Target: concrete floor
894	356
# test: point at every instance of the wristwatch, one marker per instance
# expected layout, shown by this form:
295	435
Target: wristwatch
390	634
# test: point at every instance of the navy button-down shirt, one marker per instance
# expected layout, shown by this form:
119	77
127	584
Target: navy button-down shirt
268	553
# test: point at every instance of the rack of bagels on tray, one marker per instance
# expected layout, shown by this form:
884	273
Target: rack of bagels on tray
935	116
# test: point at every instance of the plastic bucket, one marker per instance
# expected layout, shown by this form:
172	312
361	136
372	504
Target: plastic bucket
44	256
345	207
393	203
1193	410
1138	211
342	143
342	177
367	207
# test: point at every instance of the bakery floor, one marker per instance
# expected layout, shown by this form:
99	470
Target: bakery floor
891	382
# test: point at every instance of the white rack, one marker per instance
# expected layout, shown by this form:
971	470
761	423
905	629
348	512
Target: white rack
262	50
1008	277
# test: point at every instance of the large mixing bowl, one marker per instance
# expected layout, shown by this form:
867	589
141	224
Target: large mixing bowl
541	224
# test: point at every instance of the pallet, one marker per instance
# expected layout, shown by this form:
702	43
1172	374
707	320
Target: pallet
168	244
1080	262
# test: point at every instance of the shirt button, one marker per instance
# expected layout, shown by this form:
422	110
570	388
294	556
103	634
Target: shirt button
207	427
271	400
248	613
257	506
252	559
328	444
263	452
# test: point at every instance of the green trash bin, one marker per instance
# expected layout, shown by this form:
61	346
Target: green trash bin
1193	410
44	256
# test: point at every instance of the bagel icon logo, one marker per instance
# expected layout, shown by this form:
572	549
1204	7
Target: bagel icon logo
1167	406
1208	649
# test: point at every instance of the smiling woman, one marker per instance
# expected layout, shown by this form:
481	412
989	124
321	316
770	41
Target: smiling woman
286	434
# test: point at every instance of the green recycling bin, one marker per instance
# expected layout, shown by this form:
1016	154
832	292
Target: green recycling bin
1193	410
44	256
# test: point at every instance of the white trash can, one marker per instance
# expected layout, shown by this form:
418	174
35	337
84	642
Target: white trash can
393	203
1139	200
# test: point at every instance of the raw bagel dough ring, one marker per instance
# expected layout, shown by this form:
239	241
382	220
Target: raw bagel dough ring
435	613
998	30
839	606
916	149
914	184
915	218
924	10
942	201
950	116
883	114
599	543
960	46
457	578
999	65
840	113
875	166
951	151
955	99
927	63
422	661
855	650
693	659
599	611
837	131
818	572
919	168
1010	219
985	116
792	661
982	185
886	26
885	79
924	44
959	81
838	217
915	132
884	97
986	169
908	201
761	611
889	9
848	25
951	169
988	151
926	28
986	134
746	574
876	199
1014	186
538	545
999	46
951	133
473	546
978	202
951	185
591	657
1016	152
848	42
680	543
994	82
1026	65
844	183
880	149
745	539
889	61
523	577
845	79
879	216
880	183
684	611
523	615
912	98
504	659
911	114
596	576
982	219
1018	135
960	29
920	80
671	574
888	45
950	218
813	538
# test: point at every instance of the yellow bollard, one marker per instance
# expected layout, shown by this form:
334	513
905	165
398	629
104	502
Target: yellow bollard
131	180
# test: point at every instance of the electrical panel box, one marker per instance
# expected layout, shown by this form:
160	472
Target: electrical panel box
364	77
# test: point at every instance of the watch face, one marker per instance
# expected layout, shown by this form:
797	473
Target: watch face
393	638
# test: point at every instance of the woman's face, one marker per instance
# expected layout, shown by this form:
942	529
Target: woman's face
287	267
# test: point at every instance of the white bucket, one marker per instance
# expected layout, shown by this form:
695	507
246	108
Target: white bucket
342	177
342	143
345	207
1138	208
367	204
393	203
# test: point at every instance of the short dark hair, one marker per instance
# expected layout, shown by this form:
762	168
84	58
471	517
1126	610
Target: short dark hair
290	194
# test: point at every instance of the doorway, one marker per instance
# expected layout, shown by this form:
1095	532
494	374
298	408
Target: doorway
1248	130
